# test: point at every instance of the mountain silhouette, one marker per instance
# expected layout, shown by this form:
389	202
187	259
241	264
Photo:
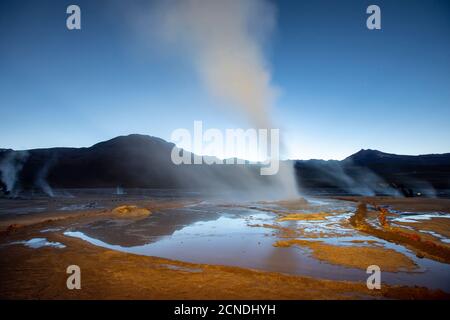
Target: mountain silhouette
141	161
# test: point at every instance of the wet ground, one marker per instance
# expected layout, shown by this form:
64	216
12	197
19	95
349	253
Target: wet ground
207	230
244	236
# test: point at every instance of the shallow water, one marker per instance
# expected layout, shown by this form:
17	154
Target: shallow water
36	243
214	234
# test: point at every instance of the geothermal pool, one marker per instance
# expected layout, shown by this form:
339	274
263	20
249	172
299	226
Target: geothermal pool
243	234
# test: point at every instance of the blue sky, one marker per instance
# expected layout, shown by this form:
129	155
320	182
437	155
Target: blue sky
342	87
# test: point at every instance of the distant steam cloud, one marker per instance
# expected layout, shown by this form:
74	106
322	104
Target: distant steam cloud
41	177
10	167
353	179
224	40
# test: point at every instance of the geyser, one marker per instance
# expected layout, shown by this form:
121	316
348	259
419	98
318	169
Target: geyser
224	40
10	167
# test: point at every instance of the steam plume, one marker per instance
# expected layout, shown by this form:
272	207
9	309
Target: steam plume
10	167
41	178
225	40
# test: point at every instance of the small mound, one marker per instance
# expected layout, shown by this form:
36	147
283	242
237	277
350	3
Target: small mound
128	211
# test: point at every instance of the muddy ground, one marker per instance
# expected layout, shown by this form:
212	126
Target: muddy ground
40	273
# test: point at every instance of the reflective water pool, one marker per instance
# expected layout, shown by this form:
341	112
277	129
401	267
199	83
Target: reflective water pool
241	236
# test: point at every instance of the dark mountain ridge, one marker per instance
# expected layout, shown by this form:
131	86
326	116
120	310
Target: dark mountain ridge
139	161
381	172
